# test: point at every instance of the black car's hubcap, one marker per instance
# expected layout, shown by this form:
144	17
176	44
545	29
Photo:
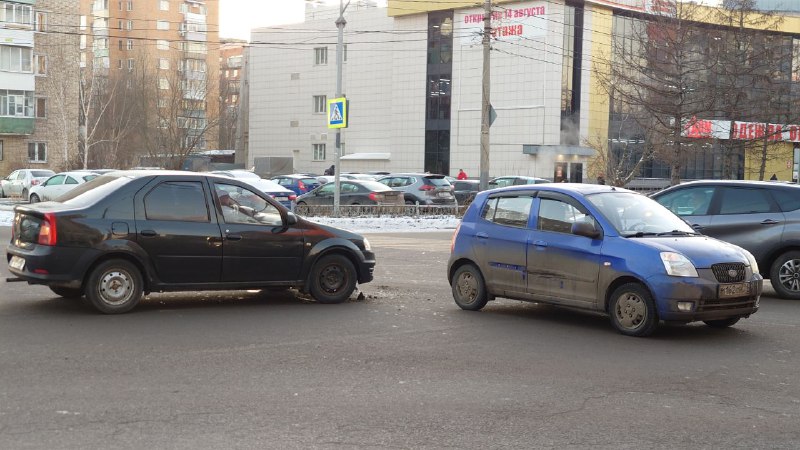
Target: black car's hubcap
789	275
332	278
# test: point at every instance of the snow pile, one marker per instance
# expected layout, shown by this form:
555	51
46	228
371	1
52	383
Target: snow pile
356	224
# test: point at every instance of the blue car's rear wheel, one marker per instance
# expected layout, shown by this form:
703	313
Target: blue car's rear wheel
469	289
632	310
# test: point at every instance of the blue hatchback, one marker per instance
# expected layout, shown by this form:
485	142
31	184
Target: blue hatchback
599	248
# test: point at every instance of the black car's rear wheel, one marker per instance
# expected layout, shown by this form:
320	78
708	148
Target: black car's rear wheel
785	275
66	292
115	286
722	323
469	289
333	279
632	310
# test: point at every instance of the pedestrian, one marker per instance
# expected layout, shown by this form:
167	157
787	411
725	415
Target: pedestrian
601	179
330	170
461	175
773	177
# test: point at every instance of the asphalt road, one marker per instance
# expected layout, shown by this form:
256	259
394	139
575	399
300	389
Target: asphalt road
401	368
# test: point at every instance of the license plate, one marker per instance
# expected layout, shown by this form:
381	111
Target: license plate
282	199
16	263
734	290
445	194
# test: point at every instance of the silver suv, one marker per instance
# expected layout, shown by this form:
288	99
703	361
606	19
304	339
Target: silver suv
422	188
762	217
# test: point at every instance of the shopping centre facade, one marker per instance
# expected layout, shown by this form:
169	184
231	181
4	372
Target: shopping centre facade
413	77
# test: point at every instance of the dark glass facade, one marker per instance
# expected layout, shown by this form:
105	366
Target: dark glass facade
438	92
571	75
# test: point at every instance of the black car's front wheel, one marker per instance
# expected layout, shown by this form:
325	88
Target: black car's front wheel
632	310
333	279
785	275
114	286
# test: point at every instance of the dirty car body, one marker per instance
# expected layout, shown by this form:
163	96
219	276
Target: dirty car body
128	233
602	249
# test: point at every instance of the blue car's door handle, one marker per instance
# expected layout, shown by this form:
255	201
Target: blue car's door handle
540	243
769	222
481	235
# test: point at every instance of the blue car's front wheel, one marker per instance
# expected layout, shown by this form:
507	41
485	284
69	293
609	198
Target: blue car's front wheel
632	310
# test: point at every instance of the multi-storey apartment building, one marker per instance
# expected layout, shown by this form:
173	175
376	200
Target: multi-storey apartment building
38	49
173	42
231	64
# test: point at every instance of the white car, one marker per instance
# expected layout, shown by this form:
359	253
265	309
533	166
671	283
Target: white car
58	185
19	182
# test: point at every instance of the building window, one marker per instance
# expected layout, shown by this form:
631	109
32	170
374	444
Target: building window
82	62
130	25
41	22
162	103
1	150
162	44
130	44
321	55
82	43
119	44
796	60
40	63
162	25
130	5
37	152
319	152
120	6
163	63
130	64
14	13
83	23
16	103
320	102
164	5
119	65
100	5
41	108
16	59
163	83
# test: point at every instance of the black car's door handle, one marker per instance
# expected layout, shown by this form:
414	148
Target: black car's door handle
233	237
769	222
148	233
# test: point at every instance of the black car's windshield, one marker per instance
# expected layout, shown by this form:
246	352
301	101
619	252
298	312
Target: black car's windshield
634	215
90	192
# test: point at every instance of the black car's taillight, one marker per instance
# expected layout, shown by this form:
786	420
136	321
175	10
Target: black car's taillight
47	230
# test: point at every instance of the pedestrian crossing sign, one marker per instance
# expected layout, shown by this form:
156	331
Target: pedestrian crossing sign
337	113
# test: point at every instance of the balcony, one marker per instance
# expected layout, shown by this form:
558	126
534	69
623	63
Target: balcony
16	125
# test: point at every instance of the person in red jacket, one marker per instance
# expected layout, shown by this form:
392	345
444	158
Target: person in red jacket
461	175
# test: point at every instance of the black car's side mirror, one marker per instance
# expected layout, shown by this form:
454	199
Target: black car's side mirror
585	229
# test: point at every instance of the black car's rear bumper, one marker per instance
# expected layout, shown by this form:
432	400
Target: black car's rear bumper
56	266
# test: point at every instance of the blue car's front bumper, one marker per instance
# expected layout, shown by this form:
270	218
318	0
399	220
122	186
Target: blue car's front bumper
703	293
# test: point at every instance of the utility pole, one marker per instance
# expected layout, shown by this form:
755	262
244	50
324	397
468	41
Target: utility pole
340	23
485	101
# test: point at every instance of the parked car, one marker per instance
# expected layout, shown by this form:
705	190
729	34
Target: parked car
285	197
353	192
59	184
499	182
19	182
762	217
603	249
465	190
300	184
422	188
151	231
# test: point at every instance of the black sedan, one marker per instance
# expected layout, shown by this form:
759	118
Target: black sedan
128	233
353	192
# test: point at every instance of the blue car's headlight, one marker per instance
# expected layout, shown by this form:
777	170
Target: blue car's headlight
678	265
752	260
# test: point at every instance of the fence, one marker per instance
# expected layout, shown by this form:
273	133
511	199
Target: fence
381	210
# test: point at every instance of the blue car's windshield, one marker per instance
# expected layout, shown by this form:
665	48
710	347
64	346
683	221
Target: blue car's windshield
633	214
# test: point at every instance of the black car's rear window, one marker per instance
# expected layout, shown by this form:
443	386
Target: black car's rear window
92	191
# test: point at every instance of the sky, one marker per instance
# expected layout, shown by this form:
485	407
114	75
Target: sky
238	17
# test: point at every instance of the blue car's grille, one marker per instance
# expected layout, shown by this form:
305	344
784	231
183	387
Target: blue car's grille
729	272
